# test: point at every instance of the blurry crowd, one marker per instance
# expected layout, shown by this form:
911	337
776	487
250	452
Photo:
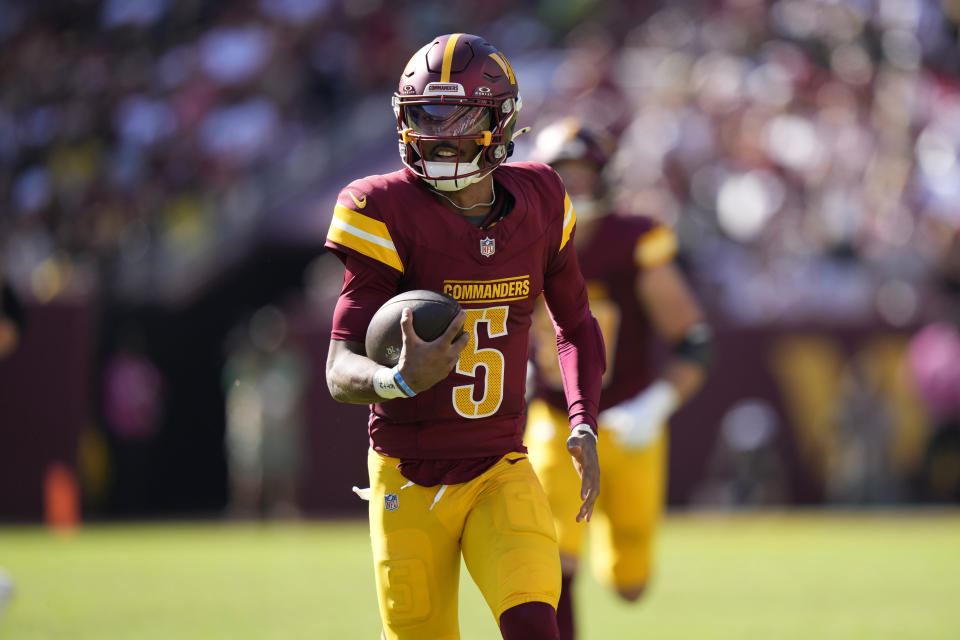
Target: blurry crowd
143	142
806	150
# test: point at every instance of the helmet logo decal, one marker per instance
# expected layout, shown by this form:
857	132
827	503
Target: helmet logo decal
483	91
409	88
488	247
501	60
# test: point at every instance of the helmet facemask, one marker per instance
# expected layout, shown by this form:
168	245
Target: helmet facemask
449	126
457	93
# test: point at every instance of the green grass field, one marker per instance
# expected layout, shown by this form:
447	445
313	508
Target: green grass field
826	575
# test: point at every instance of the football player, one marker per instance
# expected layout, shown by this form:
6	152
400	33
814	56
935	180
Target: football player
449	474
636	294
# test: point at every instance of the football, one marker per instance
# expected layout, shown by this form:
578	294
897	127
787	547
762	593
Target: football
432	313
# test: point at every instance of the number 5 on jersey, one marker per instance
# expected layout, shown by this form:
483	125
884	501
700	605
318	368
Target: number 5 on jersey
495	319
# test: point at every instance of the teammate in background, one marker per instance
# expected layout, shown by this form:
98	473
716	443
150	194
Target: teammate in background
636	294
448	470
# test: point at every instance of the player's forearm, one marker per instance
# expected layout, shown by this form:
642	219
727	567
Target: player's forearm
691	359
582	363
638	420
684	376
354	378
350	379
583	358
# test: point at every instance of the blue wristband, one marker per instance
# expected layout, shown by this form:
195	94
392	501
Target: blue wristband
403	384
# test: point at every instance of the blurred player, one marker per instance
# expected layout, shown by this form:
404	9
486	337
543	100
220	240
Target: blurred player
636	293
447	466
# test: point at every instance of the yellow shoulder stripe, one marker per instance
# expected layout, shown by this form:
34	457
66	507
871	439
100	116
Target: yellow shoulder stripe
448	57
364	235
655	248
569	220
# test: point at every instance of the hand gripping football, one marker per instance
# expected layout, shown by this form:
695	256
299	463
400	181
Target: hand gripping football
432	313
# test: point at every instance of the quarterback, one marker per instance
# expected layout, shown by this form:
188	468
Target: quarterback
636	294
449	474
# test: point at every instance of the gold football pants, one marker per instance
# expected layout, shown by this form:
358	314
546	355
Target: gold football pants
500	521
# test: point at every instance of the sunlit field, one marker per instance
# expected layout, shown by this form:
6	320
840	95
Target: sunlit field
817	575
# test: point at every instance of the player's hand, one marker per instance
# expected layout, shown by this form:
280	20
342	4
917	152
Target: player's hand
423	364
583	448
637	422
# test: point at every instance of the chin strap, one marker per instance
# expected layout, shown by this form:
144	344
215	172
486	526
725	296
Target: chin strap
516	135
519	132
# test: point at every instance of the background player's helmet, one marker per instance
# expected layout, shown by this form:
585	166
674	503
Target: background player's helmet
459	89
570	140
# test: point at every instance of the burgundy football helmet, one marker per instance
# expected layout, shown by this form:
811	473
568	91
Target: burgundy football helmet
461	93
568	140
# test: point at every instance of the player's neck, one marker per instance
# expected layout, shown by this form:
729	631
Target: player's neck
473	201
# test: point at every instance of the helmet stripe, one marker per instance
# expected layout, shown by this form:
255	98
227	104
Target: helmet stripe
448	57
505	66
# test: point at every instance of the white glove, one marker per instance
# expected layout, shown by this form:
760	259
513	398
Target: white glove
637	422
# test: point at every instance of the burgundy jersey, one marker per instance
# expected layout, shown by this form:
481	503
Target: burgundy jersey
619	249
393	236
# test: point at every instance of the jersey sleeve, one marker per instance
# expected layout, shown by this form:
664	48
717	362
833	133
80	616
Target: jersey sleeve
580	345
357	227
367	284
361	239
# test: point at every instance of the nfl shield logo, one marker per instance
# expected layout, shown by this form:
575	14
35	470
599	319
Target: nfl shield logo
487	247
391	502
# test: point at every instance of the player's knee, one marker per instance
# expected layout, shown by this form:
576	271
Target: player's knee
529	621
632	594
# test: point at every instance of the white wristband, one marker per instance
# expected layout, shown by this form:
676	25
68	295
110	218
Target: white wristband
639	420
660	397
386	386
583	429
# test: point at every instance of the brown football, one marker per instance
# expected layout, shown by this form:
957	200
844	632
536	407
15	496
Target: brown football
432	313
